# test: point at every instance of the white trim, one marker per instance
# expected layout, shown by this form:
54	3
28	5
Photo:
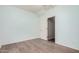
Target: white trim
66	45
28	38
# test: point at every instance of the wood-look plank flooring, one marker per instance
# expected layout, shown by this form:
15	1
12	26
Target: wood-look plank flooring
36	46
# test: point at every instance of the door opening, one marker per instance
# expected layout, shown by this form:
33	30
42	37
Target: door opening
51	29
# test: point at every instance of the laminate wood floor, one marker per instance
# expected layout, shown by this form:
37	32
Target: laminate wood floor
36	46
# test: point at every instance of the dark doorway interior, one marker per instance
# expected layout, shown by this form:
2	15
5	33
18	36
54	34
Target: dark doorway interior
51	29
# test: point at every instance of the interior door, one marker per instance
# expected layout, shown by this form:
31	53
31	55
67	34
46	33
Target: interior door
51	28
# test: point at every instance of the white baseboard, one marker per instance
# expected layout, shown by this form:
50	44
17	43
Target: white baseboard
67	45
20	40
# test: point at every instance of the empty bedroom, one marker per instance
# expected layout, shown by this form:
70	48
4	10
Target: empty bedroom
39	29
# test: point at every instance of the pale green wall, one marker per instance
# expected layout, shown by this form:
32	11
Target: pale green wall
66	25
17	25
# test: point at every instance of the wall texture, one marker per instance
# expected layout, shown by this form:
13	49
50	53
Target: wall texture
17	25
66	25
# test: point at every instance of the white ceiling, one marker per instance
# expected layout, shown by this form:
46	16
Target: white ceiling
35	8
